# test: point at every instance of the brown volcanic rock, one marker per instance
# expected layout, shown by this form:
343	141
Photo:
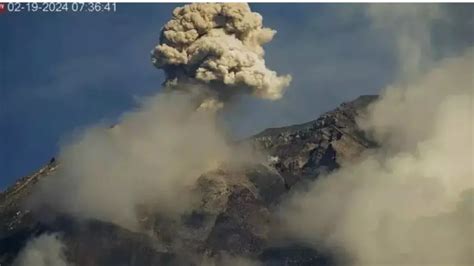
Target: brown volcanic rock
306	150
241	226
232	213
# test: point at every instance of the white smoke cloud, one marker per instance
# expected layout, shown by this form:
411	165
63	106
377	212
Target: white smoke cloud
44	250
410	27
411	201
152	158
219	45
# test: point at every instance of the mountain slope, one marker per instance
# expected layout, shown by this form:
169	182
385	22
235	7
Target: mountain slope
233	214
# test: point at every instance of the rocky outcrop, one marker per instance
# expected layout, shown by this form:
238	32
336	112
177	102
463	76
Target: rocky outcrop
309	149
233	214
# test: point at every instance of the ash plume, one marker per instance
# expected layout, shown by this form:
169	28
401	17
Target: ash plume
153	156
219	45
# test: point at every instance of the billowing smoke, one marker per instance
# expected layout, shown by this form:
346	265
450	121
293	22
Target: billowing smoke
409	204
151	159
44	250
411	201
410	26
219	45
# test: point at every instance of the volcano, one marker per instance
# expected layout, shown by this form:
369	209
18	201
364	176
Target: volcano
234	215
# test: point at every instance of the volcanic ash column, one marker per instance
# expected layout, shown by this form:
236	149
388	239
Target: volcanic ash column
217	48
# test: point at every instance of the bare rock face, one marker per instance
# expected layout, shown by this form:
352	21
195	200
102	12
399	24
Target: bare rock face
242	227
309	149
233	214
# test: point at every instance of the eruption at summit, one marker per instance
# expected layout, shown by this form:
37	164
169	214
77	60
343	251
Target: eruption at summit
219	45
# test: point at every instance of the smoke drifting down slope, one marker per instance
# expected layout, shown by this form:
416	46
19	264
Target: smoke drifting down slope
151	159
219	45
45	250
411	201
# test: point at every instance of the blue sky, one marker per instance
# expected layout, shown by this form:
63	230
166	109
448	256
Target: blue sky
60	72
